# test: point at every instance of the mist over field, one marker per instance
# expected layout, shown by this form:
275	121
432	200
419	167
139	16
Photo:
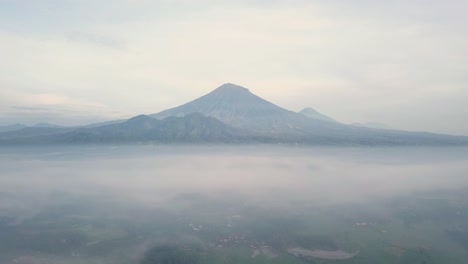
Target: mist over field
158	173
233	132
119	204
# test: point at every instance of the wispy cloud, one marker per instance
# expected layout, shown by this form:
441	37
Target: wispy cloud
95	38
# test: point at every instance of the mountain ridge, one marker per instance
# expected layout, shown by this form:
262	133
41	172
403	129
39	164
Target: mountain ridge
228	114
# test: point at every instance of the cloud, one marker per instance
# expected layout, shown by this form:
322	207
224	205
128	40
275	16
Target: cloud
95	38
29	108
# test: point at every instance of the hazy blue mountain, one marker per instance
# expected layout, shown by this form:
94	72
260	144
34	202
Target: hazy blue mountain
193	128
13	127
312	113
46	125
24	130
32	132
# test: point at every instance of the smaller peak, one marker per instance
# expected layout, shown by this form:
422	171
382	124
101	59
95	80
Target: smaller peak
314	114
308	109
45	125
231	87
139	117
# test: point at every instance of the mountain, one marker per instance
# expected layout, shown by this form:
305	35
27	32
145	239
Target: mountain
236	106
193	128
228	114
31	132
312	113
13	127
45	125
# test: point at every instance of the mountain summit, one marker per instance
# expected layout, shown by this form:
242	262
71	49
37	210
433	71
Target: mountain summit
238	107
231	88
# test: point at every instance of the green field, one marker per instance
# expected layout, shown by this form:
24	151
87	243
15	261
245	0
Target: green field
414	229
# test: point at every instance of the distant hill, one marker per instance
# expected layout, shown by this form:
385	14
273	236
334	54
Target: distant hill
17	127
228	114
32	132
193	128
46	125
13	127
312	113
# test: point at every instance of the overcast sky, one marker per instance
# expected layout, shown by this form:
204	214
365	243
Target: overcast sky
401	63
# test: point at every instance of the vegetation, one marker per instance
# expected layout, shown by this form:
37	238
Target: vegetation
250	236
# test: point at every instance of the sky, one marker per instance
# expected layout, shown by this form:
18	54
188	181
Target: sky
400	63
